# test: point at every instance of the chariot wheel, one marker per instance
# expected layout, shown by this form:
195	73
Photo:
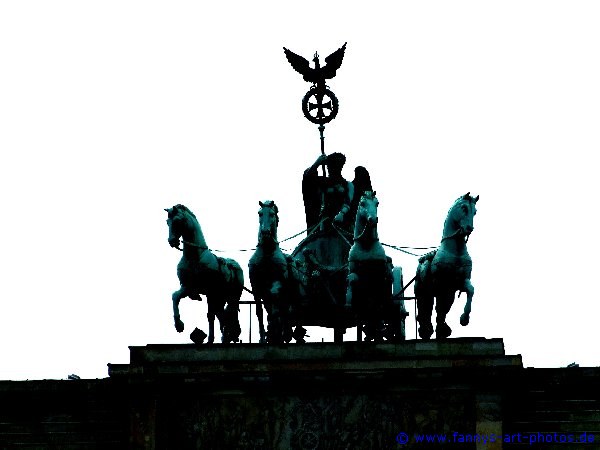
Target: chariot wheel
320	106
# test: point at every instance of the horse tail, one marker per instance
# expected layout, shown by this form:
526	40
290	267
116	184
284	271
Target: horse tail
238	275
233	278
397	280
422	277
428	256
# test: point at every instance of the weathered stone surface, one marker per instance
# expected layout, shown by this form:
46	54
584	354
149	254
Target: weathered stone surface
452	348
309	396
61	414
317	396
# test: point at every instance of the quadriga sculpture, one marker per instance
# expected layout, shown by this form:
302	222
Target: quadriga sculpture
201	272
446	270
273	279
370	278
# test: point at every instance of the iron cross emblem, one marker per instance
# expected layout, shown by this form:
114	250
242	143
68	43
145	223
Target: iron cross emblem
319	105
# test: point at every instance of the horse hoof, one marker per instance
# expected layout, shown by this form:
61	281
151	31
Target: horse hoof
442	331
198	336
288	335
464	319
425	331
179	326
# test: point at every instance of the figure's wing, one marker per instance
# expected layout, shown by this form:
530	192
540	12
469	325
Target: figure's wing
333	62
300	64
362	180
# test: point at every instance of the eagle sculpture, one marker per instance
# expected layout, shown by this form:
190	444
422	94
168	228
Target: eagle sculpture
319	74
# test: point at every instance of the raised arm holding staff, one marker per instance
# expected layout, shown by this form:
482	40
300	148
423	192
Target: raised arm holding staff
327	197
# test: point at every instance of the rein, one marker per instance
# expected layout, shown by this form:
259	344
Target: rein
313	229
339	231
309	230
357	238
456	233
203	247
404	251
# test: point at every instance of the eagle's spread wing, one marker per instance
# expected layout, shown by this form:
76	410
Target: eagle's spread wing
333	62
300	65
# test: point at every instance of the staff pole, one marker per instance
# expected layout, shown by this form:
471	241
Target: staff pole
321	130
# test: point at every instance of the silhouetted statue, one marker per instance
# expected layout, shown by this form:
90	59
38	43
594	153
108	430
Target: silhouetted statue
319	74
272	278
369	289
446	270
327	197
201	272
319	105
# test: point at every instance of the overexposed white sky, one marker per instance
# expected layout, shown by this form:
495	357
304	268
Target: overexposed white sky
111	111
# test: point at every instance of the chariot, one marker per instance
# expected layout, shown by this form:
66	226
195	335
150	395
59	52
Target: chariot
332	279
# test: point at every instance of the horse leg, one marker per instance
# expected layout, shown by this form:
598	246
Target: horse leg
425	308
425	295
274	331
376	302
266	301
211	319
229	322
369	313
352	280
233	315
259	317
470	290
442	307
176	297
399	312
284	330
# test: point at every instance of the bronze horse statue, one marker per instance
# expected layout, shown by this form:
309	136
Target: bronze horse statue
371	276
201	272
273	278
446	270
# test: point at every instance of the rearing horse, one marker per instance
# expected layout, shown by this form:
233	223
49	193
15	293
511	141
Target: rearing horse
446	270
201	272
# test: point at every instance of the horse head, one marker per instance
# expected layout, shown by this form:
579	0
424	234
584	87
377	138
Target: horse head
366	214
459	222
178	220
268	220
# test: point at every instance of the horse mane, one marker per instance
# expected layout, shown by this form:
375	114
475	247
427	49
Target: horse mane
185	209
369	195
460	200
